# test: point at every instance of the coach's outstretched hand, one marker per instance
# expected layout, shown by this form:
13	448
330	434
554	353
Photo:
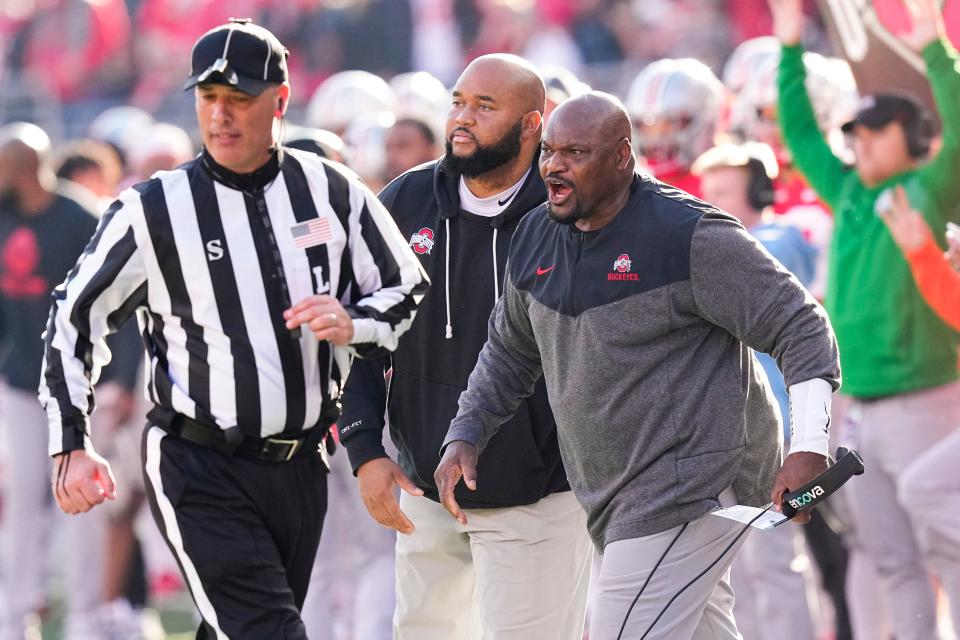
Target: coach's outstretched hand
798	469
378	479
81	480
459	461
926	21
788	20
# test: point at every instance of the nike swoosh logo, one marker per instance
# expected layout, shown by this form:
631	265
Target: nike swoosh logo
507	199
541	270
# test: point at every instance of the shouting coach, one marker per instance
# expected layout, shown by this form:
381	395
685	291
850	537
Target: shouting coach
640	304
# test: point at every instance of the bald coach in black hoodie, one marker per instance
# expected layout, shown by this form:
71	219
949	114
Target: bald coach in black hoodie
523	555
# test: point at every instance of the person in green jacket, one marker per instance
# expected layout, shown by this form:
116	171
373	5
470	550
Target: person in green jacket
899	359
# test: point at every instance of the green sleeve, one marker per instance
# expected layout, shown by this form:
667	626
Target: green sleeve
940	176
798	123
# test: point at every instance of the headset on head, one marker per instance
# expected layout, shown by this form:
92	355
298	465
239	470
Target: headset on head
760	190
919	131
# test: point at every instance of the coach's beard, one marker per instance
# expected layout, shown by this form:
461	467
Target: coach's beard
486	158
576	213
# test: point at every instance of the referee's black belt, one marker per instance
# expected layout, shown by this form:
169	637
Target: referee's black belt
233	442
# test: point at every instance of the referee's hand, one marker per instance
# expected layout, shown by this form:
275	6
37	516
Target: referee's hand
324	316
378	479
81	480
459	460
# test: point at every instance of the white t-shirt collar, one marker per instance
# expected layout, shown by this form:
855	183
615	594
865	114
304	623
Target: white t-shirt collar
492	206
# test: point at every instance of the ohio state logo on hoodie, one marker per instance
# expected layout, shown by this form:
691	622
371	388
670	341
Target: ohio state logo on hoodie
422	241
622	263
621	269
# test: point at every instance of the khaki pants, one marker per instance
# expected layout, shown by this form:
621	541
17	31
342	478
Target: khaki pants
892	435
518	573
703	612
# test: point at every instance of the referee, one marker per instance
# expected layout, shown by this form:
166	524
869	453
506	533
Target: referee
244	382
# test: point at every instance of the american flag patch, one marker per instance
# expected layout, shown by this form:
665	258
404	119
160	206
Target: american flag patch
311	233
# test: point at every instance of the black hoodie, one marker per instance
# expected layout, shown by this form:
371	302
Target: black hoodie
434	359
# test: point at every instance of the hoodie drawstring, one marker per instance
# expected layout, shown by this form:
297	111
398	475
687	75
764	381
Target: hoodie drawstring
446	279
496	276
446	282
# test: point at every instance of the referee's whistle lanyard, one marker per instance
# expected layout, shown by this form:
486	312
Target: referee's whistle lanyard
848	464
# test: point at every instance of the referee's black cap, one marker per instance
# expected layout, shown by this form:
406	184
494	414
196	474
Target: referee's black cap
239	54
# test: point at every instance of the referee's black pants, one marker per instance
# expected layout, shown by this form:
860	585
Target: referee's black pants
245	533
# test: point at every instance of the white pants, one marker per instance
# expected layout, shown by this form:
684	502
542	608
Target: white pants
703	612
517	573
772	592
893	435
29	515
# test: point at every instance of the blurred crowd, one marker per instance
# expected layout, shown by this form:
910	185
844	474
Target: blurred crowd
101	83
66	60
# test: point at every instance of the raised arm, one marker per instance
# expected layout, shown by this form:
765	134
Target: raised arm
798	122
928	37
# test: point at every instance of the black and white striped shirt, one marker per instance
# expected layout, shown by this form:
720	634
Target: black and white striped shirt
207	260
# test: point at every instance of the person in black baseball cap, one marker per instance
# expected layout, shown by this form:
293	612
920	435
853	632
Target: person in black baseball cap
890	134
274	269
877	111
899	357
239	54
239	73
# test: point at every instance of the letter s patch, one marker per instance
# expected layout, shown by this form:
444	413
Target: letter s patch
214	250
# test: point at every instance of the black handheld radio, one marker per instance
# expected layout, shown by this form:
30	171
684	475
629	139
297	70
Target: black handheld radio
848	464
